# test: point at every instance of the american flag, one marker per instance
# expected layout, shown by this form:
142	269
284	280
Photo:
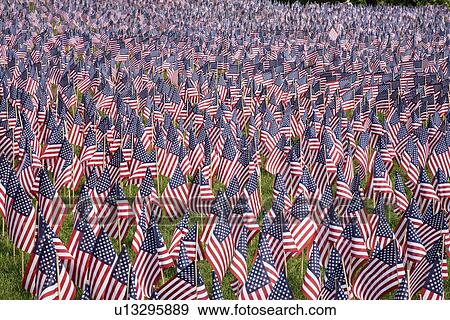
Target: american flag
81	246
146	195
434	226
281	290
380	182
140	162
415	251
228	162
46	276
352	247
220	248
401	200
262	276
382	233
100	269
21	216
122	284
191	242
187	284
424	192
200	195
216	293
181	229
219	208
275	239
442	187
252	194
382	274
277	157
434	285
51	205
175	197
143	221
402	292
68	168
54	144
28	174
440	157
301	223
238	266
356	209
101	189
342	187
76	133
420	273
334	278
86	295
151	259
312	283
89	146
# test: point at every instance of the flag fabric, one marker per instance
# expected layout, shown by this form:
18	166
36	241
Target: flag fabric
220	248
335	281
20	217
46	276
281	290
238	266
122	284
175	197
434	285
216	293
263	275
103	260
81	246
382	274
312	281
187	283
51	205
151	259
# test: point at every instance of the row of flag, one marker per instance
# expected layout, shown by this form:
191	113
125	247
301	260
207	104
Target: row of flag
340	127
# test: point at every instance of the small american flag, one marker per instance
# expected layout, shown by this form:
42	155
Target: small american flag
103	260
216	293
175	196
312	282
187	284
51	205
384	273
151	259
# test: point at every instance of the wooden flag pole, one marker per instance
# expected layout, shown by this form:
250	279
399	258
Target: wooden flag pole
442	257
37	235
120	233
302	262
345	275
408	265
104	152
195	261
72	190
284	251
22	258
127	294
285	264
57	276
157	175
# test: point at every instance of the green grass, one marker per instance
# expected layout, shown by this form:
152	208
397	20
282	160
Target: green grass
10	265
